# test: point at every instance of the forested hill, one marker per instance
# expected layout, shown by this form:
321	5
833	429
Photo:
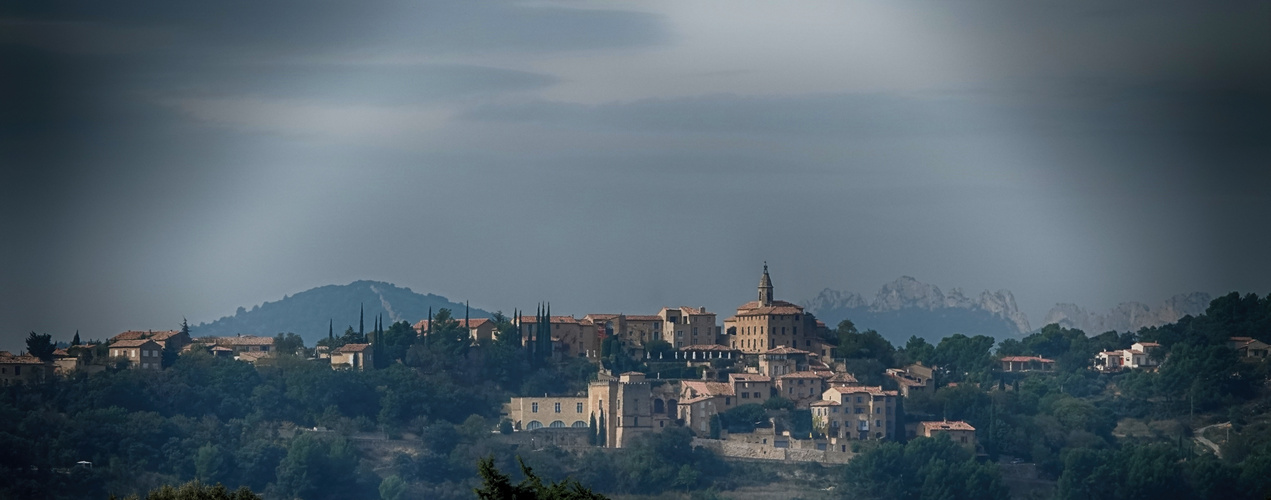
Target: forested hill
309	313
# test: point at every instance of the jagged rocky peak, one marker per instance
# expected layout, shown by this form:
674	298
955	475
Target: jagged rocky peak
1128	316
836	299
909	293
905	293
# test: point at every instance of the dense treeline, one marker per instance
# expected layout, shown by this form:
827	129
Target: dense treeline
221	420
1064	421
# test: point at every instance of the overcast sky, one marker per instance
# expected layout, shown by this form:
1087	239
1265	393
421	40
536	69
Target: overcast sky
163	160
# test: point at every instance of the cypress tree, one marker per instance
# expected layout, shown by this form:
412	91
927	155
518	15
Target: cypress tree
331	329
591	430
600	430
361	321
75	341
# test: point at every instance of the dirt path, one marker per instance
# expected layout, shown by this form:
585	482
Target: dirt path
1199	436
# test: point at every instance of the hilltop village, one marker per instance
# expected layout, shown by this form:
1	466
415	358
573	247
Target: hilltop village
768	384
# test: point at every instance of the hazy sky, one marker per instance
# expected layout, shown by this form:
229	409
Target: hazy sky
163	160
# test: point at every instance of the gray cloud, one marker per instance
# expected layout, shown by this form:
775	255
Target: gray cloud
1085	152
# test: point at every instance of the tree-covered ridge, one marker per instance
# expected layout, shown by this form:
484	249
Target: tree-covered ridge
312	313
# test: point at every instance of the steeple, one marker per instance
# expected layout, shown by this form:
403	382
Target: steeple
765	287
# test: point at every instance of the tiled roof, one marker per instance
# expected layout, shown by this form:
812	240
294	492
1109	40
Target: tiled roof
1149	344
253	356
695	311
825	402
1025	359
843	377
145	334
353	348
644	317
948	425
748	377
706	388
131	343
20	360
698	399
797	375
567	320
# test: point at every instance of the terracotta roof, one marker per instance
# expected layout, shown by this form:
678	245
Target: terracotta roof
698	399
145	334
20	360
707	388
1025	359
748	377
804	374
60	352
221	348
953	425
601	317
353	348
1241	339
770	310
131	343
843	377
825	402
1149	344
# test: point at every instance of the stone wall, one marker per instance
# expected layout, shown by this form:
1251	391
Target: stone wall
567	437
797	453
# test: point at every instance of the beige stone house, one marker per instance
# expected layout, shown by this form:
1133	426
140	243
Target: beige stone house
15	370
960	432
353	356
856	413
145	354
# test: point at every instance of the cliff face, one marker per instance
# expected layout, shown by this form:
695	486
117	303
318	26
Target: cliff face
1128	316
910	307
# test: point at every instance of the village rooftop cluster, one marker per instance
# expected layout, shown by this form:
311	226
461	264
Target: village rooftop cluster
768	351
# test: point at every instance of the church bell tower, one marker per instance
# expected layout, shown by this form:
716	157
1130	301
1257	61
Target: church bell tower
765	288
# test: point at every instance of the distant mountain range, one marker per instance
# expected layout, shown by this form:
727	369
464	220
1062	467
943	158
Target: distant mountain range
309	313
1129	316
907	307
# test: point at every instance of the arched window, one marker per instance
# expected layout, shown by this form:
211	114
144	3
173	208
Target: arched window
534	424
579	423
557	424
659	406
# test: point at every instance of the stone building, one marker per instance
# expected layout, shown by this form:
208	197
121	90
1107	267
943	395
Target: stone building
15	370
913	379
686	326
766	324
551	412
354	356
856	413
144	353
960	432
